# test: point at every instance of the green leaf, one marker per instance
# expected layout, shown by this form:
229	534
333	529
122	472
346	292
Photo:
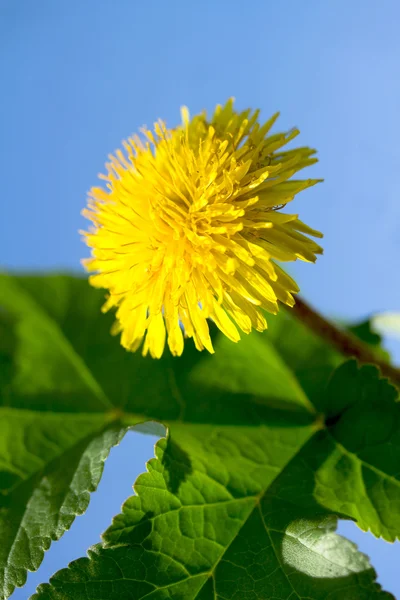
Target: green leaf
368	332
66	387
362	477
224	513
334	570
49	461
240	495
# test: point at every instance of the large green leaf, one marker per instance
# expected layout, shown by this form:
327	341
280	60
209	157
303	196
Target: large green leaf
238	422
234	512
66	387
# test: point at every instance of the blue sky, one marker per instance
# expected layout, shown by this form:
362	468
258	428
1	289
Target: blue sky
78	77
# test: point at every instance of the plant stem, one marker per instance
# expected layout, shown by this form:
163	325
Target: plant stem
345	342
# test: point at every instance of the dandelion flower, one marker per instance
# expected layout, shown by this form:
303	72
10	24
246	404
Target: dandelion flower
190	226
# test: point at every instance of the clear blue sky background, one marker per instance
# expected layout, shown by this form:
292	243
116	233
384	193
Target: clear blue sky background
78	77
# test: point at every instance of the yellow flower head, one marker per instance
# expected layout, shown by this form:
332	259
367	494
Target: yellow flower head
190	225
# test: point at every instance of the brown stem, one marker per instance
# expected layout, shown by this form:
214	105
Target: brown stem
345	342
